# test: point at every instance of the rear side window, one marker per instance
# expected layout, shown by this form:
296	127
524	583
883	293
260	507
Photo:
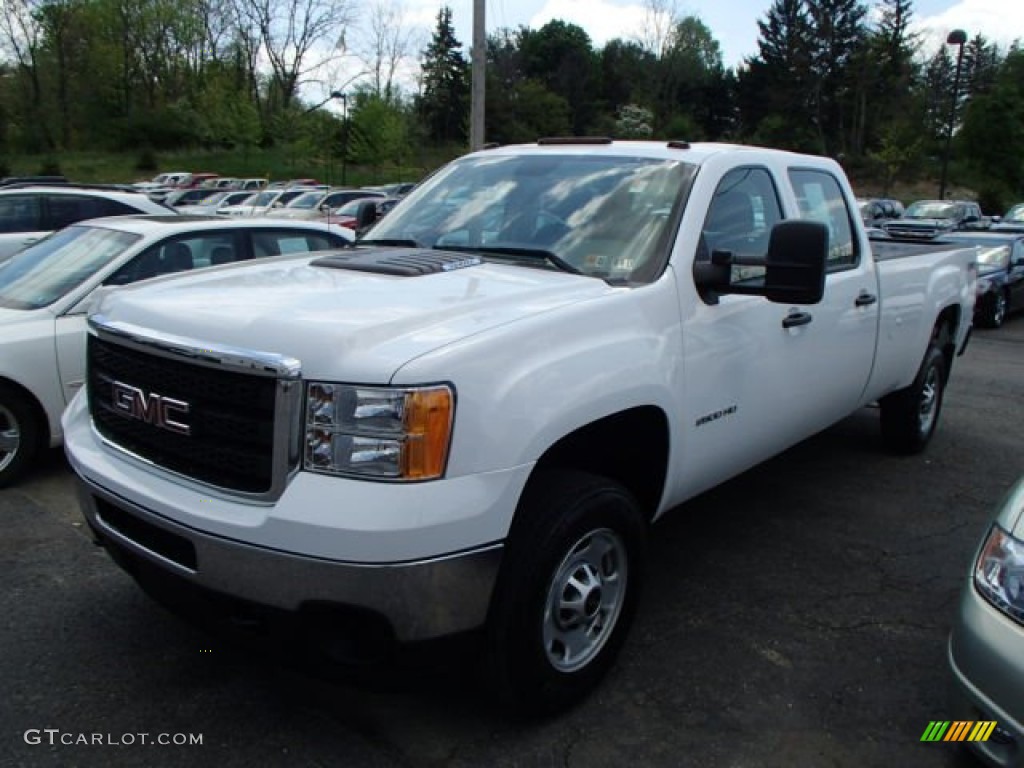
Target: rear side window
20	213
821	199
276	242
65	210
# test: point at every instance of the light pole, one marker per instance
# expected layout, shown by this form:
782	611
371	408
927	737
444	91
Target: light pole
957	37
344	134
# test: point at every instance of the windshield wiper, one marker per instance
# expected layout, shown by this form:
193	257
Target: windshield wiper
511	250
397	242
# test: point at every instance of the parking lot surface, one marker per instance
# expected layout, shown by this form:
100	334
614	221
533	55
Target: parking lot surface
795	616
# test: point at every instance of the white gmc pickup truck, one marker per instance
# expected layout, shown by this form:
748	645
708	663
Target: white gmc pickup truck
471	419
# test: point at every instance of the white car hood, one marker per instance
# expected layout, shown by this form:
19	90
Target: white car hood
342	324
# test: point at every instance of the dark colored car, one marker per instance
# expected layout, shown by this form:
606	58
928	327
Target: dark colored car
931	218
1000	274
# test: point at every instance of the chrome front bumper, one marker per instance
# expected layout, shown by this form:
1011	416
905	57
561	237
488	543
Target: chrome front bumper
421	600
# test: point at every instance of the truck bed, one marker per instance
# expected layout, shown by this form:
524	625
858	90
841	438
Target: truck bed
889	248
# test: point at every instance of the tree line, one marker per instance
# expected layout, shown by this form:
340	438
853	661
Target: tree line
828	77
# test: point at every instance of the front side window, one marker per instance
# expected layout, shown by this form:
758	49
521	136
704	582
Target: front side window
48	270
178	254
600	215
739	221
821	199
64	210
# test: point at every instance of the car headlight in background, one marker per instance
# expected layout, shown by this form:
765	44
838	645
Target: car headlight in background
999	573
387	433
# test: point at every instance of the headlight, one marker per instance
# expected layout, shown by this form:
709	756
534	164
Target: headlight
999	572
380	432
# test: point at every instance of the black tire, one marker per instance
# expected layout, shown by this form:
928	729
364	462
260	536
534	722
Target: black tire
910	416
994	313
19	436
577	541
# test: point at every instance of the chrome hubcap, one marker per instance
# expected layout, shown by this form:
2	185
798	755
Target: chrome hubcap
929	400
584	600
10	438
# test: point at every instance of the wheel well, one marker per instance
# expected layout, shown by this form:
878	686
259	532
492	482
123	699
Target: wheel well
944	334
38	413
630	447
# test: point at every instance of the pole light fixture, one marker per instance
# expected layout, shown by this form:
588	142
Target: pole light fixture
958	38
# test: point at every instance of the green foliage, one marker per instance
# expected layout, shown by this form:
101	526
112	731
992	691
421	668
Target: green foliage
50	167
634	122
444	104
147	160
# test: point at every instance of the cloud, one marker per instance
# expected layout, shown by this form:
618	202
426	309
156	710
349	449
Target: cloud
998	21
602	20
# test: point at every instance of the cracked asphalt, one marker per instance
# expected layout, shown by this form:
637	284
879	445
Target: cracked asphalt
795	616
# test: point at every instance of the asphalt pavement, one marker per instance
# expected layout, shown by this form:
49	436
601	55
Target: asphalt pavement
795	616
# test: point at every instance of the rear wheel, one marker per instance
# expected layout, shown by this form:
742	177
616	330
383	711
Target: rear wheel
909	416
567	591
19	436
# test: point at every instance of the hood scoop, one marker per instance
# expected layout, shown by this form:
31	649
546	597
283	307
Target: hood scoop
398	262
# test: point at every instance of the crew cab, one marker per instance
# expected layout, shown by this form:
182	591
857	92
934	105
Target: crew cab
471	419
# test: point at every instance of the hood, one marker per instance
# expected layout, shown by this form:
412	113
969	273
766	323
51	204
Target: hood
342	323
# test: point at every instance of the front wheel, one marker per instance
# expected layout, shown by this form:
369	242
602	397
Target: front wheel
567	591
909	416
19	438
995	310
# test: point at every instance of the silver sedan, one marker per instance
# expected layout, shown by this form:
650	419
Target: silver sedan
986	646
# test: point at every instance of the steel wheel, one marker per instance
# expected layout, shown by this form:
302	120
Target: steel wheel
927	410
998	310
585	599
10	438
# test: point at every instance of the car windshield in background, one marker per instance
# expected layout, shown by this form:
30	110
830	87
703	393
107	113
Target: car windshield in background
931	211
1015	214
306	201
263	198
48	270
601	216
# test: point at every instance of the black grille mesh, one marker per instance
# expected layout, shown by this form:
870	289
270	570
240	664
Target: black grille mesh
231	416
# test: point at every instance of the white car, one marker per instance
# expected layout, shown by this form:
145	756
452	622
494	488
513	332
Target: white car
161	180
263	202
28	214
216	203
312	204
46	292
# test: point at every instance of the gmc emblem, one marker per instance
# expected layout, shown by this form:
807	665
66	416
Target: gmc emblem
153	409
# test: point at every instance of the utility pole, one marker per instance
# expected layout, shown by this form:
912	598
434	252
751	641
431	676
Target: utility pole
476	110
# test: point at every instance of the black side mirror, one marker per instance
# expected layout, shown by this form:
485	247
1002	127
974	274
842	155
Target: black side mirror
795	265
366	214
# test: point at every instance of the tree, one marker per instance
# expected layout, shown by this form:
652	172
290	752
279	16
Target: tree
444	100
386	47
560	56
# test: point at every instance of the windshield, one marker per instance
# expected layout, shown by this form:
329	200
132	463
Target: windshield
42	273
931	209
1015	214
263	198
308	200
604	216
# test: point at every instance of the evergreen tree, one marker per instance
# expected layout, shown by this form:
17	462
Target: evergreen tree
444	102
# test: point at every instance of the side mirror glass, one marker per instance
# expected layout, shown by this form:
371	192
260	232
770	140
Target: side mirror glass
795	266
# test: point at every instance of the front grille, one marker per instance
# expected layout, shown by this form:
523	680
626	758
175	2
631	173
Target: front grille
230	416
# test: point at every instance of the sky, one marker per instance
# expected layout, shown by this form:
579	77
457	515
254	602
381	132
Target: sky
732	22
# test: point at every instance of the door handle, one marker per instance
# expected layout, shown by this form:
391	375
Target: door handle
865	299
793	319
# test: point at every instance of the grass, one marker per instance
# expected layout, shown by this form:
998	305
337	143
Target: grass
274	164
